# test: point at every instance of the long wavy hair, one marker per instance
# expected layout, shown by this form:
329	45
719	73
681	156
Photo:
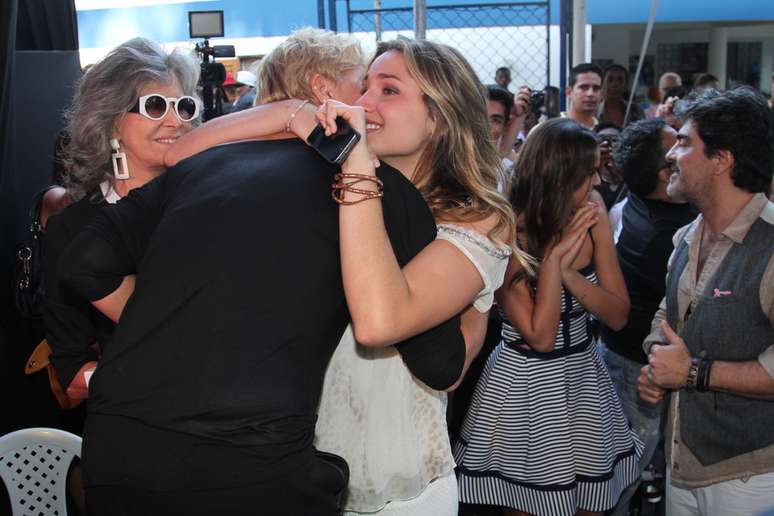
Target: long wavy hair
105	93
558	156
457	171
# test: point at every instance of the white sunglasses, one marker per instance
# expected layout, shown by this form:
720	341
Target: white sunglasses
155	106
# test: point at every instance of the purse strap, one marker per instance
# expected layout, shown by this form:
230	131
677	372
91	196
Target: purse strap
37	204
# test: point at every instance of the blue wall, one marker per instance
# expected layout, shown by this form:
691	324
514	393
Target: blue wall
242	19
635	11
262	18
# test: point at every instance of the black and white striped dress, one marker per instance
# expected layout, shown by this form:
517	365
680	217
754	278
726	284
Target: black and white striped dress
545	432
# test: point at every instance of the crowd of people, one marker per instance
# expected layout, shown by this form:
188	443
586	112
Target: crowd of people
257	330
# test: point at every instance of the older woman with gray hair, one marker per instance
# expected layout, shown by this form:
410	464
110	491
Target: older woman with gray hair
129	109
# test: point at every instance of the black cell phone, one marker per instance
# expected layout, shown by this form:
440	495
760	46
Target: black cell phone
336	147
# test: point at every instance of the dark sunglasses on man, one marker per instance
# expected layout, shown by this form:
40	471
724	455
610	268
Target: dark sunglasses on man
155	106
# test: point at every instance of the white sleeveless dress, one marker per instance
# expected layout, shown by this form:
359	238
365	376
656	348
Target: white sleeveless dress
389	426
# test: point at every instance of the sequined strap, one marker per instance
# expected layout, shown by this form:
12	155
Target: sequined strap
479	240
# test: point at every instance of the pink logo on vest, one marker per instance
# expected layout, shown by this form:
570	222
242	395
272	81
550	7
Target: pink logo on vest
721	293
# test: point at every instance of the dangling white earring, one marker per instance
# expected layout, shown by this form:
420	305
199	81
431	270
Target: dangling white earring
118	157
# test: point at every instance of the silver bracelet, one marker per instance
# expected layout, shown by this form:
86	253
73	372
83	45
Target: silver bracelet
293	115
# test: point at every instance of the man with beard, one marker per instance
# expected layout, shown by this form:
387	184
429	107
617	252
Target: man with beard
712	339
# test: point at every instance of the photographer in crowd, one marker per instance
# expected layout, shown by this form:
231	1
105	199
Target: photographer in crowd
507	115
612	187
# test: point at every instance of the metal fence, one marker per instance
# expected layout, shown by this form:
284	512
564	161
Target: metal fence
515	35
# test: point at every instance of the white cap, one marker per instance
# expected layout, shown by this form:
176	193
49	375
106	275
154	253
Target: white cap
245	77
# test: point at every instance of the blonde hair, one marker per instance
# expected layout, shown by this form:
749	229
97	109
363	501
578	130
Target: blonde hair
287	70
458	170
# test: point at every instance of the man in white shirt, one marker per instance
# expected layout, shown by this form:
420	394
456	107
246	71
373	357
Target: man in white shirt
584	92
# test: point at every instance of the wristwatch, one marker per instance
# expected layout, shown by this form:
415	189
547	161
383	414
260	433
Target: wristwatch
693	374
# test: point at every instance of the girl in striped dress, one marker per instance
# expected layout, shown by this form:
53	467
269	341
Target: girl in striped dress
545	433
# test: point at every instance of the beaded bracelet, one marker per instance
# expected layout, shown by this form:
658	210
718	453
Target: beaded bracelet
339	187
293	115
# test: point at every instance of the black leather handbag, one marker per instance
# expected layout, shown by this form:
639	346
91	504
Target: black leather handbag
28	277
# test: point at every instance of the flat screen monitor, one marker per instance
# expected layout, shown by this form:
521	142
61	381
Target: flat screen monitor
205	24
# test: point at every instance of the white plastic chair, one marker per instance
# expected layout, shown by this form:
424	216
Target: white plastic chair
33	465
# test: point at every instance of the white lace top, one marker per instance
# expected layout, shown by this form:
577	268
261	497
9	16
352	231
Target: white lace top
490	259
389	426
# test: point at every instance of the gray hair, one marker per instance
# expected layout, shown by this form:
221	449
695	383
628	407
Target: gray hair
107	91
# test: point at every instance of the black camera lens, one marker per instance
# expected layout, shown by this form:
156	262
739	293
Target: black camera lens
536	101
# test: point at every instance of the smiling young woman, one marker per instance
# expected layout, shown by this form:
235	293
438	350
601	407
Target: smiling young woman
423	112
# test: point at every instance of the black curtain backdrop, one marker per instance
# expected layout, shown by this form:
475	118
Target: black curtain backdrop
47	25
40	66
8	29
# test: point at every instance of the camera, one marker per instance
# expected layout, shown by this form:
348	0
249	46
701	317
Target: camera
212	73
537	101
207	24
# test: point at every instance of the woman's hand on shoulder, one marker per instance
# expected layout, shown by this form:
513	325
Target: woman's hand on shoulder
360	159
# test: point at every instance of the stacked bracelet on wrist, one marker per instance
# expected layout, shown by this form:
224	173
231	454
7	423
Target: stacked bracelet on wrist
703	381
699	374
342	185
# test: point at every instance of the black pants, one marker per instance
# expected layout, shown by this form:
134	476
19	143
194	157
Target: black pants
318	490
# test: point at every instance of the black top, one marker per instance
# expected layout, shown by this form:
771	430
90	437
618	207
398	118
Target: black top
643	247
218	361
73	326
